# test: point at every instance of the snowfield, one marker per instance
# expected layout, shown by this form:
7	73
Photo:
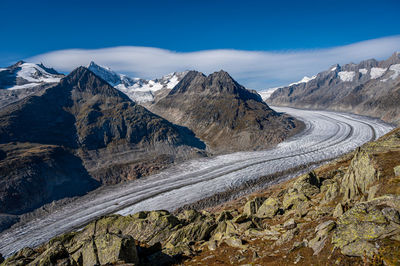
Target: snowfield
326	136
347	76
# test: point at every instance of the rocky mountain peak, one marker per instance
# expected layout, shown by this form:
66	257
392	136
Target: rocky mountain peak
49	69
393	59
84	80
217	83
16	65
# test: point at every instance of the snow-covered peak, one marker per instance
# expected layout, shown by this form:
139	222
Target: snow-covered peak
305	79
139	90
265	94
27	75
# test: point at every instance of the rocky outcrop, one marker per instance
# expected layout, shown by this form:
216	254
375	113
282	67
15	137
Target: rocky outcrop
367	222
361	174
224	114
269	208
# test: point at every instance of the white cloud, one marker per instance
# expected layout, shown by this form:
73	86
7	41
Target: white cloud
254	69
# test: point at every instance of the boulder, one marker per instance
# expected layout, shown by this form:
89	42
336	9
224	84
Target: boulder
366	222
360	248
234	242
293	199
317	244
223	216
189	216
324	228
240	218
52	255
287	236
396	170
372	191
178	250
338	211
290	224
226	228
269	208
212	245
196	231
331	191
149	227
251	207
22	257
361	173
307	184
113	248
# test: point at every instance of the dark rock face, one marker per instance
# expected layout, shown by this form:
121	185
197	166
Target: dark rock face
223	113
76	135
33	175
369	88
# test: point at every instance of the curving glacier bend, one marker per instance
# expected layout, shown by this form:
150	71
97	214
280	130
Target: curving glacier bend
327	135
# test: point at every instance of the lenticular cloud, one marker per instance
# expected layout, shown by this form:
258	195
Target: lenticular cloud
254	69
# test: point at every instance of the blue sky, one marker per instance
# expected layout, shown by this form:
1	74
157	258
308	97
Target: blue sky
30	28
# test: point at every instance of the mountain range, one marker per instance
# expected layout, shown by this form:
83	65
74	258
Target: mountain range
64	136
369	88
78	134
216	106
139	90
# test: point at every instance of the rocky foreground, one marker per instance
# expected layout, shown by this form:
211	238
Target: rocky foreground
345	212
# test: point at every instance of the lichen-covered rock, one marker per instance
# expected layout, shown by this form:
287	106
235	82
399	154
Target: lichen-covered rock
226	228
22	257
251	207
366	222
290	224
178	249
190	216
331	191
52	255
360	248
269	208
397	170
234	241
307	184
338	210
287	236
240	218
324	228
361	173
195	231
293	199
372	191
113	248
317	244
224	215
149	227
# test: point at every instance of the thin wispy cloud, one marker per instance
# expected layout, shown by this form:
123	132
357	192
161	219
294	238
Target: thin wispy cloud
254	69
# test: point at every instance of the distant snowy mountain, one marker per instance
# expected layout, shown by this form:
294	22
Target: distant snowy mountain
139	90
24	75
265	94
370	88
344	77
